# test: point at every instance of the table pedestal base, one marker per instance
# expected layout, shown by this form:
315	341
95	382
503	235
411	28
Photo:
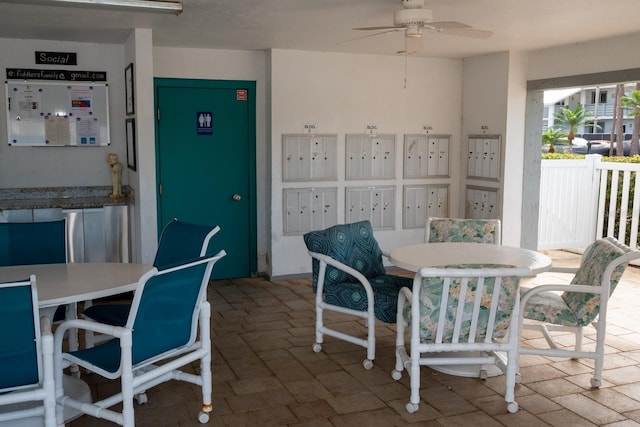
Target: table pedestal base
73	387
469	371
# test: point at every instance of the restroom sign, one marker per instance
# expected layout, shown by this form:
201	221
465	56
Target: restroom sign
204	123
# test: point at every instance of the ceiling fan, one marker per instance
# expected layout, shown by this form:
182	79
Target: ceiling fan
413	19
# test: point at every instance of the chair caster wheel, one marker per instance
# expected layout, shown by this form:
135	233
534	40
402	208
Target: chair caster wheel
396	375
483	374
317	347
512	407
595	383
412	407
203	417
368	364
141	398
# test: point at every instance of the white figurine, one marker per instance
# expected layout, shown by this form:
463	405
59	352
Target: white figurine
116	176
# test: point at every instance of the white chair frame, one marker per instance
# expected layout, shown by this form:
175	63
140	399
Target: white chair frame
137	379
370	342
600	323
502	354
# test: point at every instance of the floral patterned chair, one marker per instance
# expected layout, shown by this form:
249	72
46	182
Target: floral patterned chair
462	230
349	277
582	303
466	310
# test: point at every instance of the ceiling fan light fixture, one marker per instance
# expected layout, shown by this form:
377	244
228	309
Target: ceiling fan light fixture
413	32
412	17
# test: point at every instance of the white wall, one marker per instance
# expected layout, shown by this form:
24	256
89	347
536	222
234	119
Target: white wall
144	218
22	167
341	93
617	53
514	153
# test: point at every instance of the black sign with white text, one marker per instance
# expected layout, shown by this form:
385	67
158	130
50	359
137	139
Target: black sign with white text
56	58
59	75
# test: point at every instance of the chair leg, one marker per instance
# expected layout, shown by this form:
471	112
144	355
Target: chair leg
414	401
205	363
317	346
579	336
510	380
401	353
371	341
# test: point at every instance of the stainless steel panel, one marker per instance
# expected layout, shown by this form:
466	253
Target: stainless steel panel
43	215
75	235
116	229
94	235
16	215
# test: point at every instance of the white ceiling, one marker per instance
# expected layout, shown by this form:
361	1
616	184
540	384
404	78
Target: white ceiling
326	25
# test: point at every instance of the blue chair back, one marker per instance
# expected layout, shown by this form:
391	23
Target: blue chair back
182	241
33	243
164	311
20	332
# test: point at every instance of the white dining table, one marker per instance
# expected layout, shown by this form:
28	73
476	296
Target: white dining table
415	257
61	284
64	284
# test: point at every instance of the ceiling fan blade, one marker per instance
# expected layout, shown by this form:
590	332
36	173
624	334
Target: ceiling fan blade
393	30
386	27
467	32
447	24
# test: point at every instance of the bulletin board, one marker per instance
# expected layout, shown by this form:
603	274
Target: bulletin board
57	114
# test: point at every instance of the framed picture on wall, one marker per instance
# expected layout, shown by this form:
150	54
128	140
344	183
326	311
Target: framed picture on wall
128	88
131	143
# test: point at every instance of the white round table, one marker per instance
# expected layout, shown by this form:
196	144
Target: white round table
414	257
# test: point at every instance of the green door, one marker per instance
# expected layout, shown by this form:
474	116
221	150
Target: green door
206	164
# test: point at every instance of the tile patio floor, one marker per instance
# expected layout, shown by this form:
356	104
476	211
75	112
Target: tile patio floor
265	373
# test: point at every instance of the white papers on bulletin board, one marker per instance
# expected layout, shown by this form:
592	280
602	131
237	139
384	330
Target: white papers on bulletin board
87	131
57	114
57	130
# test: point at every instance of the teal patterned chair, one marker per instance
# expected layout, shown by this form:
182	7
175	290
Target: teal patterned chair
463	230
583	302
349	277
468	311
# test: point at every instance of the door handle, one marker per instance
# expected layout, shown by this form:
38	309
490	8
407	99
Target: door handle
236	197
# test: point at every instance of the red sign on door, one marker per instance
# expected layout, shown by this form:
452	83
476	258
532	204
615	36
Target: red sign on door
241	94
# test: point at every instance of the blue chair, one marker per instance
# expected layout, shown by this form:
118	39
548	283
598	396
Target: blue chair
26	355
179	241
27	243
349	277
162	326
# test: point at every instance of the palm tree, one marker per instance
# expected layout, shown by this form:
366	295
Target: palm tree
631	103
573	120
552	136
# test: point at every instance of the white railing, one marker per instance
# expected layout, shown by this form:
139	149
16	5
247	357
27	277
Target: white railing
574	210
622	215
